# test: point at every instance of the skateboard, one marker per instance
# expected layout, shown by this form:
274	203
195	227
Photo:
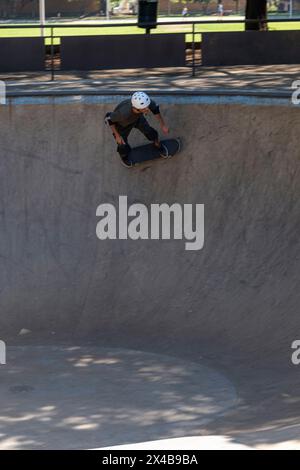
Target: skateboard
149	152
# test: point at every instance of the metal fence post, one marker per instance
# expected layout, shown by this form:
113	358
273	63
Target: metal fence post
52	55
193	51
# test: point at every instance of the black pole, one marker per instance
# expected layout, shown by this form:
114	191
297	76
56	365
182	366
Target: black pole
52	55
193	52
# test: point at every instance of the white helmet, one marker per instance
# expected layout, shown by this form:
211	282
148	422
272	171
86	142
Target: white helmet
140	100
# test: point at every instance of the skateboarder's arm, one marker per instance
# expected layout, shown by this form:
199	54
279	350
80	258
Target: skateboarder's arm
162	123
154	108
112	120
113	128
116	134
160	119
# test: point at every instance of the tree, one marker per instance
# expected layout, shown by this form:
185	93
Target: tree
256	10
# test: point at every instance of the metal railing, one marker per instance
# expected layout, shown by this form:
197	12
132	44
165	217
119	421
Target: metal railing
193	23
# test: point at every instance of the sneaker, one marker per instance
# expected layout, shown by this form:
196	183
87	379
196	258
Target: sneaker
163	151
126	162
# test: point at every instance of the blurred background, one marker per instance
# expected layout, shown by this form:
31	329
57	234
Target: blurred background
85	9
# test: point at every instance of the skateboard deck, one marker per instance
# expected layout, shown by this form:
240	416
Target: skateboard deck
149	152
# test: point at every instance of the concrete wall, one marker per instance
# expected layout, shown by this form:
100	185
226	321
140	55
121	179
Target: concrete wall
239	294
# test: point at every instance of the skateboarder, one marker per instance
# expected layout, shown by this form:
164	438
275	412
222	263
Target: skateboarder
129	114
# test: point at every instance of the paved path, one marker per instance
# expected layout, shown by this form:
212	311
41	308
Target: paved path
262	80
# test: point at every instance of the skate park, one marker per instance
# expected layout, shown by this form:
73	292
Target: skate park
128	341
141	344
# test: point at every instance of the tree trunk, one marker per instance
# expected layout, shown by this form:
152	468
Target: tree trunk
256	10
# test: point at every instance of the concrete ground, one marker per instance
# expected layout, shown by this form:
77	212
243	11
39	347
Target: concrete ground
78	397
120	342
259	80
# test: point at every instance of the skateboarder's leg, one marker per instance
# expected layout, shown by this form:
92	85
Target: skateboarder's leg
151	134
144	127
124	149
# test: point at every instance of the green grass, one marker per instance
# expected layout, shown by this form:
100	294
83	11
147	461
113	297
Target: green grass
94	30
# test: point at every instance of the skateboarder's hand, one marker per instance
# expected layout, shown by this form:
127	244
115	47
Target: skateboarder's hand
120	140
165	130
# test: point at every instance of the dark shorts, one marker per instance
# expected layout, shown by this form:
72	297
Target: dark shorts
143	126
